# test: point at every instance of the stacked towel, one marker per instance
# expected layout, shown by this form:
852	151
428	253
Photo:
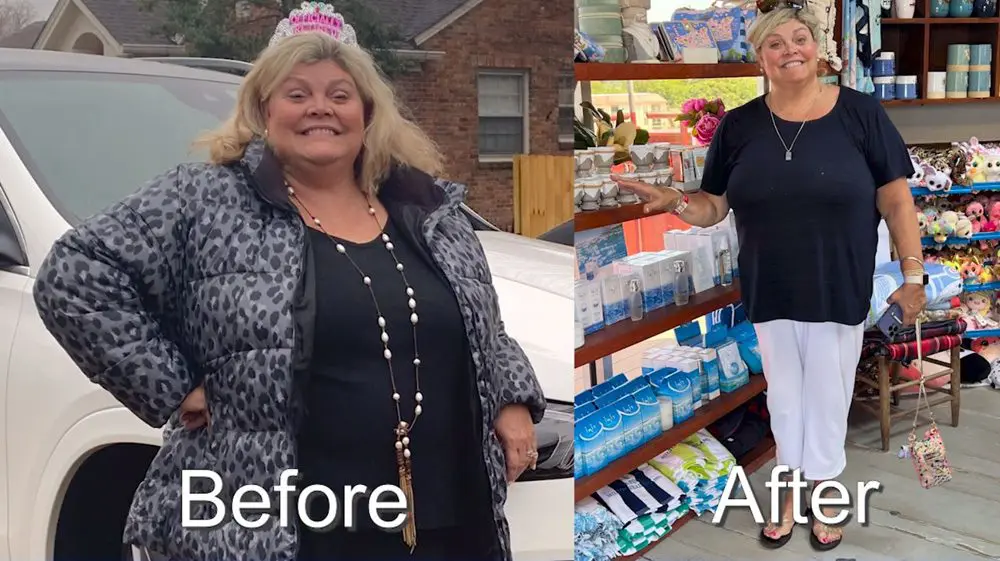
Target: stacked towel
677	470
647	529
700	466
596	532
645	504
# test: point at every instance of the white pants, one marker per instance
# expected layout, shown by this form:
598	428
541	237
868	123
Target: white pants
810	370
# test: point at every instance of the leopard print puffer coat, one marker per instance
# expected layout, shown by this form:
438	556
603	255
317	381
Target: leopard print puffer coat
204	276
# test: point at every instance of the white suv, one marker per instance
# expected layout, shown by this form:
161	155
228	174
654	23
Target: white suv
78	132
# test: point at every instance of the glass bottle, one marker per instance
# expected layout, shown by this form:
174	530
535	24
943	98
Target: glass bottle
634	300
682	283
725	264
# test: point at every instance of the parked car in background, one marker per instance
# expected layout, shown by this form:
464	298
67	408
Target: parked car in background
79	132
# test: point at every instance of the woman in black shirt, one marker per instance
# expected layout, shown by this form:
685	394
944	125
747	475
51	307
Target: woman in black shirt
808	169
313	298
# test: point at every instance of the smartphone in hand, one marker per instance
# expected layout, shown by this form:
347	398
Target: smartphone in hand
891	322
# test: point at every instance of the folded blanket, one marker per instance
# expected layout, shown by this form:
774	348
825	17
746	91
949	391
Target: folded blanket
928	330
943	284
906	352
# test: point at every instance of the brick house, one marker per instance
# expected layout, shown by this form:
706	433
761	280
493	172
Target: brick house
494	77
498	82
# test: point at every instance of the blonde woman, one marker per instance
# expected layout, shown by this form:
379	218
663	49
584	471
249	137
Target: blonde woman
809	170
311	299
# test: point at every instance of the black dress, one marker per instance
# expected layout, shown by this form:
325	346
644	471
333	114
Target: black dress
347	438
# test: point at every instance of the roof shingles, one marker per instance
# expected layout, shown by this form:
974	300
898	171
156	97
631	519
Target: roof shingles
413	17
129	23
23	39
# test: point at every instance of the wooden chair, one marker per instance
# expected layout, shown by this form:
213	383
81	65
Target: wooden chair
889	388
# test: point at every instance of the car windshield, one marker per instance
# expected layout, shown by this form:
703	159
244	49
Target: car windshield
92	138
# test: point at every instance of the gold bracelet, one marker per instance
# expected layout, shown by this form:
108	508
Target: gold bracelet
912	258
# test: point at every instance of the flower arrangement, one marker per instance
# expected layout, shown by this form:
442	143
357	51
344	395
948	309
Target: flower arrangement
703	116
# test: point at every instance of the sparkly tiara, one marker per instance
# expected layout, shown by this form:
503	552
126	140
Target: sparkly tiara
315	17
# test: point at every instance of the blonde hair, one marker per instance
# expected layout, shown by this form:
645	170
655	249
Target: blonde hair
765	24
389	137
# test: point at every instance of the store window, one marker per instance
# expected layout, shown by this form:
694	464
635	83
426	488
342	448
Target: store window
503	114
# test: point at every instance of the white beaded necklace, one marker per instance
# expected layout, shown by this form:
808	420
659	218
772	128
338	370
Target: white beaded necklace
403	428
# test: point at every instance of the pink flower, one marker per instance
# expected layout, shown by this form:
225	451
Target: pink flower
693	106
705	128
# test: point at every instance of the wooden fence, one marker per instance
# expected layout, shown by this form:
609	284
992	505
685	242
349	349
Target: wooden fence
543	193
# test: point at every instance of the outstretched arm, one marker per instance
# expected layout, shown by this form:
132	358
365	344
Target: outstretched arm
107	293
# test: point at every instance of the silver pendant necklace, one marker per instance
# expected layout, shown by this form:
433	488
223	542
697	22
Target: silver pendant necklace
788	148
403	428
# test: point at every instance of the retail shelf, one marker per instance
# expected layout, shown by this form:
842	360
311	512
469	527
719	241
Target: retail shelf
952	240
975	188
940	21
706	415
608	71
623	334
981	287
590	219
980	333
751	462
919	102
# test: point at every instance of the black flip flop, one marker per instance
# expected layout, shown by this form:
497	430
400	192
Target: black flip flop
772	543
818	545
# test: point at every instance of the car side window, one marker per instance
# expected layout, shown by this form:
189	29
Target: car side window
11	252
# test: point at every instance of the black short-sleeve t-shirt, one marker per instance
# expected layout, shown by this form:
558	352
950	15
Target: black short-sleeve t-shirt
808	227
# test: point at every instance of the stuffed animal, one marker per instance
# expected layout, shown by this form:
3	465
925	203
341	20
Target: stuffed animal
992	167
922	223
957	164
917	179
963	228
938	179
977	168
975	213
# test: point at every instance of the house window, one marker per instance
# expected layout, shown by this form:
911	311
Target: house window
503	114
567	95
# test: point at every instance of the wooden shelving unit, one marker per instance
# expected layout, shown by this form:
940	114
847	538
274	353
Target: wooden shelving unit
590	219
921	46
605	71
626	333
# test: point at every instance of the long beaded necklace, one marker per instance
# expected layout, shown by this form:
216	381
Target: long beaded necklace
403	428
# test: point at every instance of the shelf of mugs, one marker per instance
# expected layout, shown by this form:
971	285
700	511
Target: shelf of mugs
939	60
598	201
974	188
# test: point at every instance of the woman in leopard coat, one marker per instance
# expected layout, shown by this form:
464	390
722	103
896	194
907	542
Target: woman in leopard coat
246	304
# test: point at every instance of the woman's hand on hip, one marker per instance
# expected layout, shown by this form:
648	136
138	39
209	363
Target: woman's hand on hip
194	409
659	199
912	298
516	432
